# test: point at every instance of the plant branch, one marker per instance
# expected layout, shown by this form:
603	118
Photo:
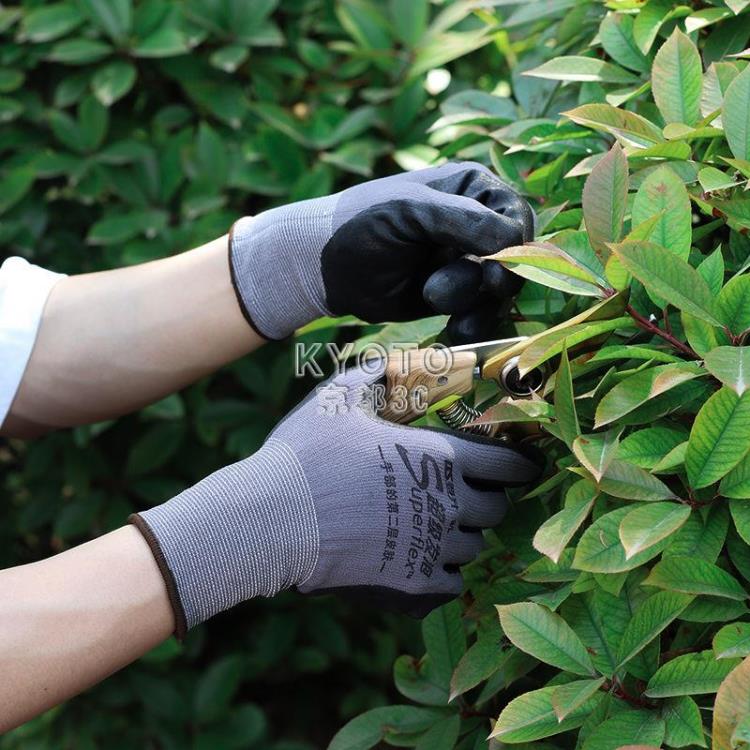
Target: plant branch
647	325
618	690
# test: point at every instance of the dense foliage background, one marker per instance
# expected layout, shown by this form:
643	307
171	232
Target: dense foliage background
134	130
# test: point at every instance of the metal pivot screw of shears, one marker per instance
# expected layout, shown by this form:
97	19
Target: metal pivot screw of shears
488	360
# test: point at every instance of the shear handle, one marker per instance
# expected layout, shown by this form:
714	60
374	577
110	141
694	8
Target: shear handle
417	378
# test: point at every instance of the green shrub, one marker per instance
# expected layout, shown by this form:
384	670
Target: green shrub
621	580
130	131
610	607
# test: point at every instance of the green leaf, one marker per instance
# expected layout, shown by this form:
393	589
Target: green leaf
217	686
365	22
651	18
409	18
628	127
599	619
517	410
716	81
600	550
676	79
646	447
546	636
369	729
551	266
50	21
645	526
230	58
733	304
690	575
115	229
736	484
577	68
713	609
701	536
616	34
554	534
14	185
442	735
625	480
245	726
531	716
701	336
641	387
643	729
670	277
113	17
445	47
630	351
565	408
673	461
718	438
732	641
689	674
684	725
445	640
415	680
662	197
113	81
731	366
567	698
735	115
741	733
740	510
552	342
596	451
712	179
79	51
419	331
650	619
166	41
711	269
605	194
93	121
10	109
483	658
354	124
155	447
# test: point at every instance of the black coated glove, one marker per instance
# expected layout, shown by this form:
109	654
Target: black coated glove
387	250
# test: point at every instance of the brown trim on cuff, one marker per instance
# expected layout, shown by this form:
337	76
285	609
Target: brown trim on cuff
235	286
180	630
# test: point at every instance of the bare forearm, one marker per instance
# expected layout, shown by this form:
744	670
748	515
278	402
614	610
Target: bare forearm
114	341
68	622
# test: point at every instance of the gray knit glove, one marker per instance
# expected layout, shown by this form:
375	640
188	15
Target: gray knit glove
336	500
388	249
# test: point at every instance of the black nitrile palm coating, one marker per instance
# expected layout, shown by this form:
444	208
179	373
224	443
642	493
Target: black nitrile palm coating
499	281
453	288
479	324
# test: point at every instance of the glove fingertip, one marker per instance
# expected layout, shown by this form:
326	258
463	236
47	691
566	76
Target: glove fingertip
478	324
499	281
453	288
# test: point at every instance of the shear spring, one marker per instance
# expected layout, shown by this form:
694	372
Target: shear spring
459	413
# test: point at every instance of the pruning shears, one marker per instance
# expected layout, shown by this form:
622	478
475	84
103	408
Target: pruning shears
417	379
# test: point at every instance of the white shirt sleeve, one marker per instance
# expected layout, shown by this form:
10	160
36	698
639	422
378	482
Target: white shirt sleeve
24	289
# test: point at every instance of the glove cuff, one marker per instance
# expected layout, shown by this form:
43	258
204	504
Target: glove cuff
274	260
247	530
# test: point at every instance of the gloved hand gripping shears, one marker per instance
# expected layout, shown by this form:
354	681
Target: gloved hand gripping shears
419	378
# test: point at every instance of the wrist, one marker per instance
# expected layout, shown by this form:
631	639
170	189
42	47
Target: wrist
274	260
247	530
